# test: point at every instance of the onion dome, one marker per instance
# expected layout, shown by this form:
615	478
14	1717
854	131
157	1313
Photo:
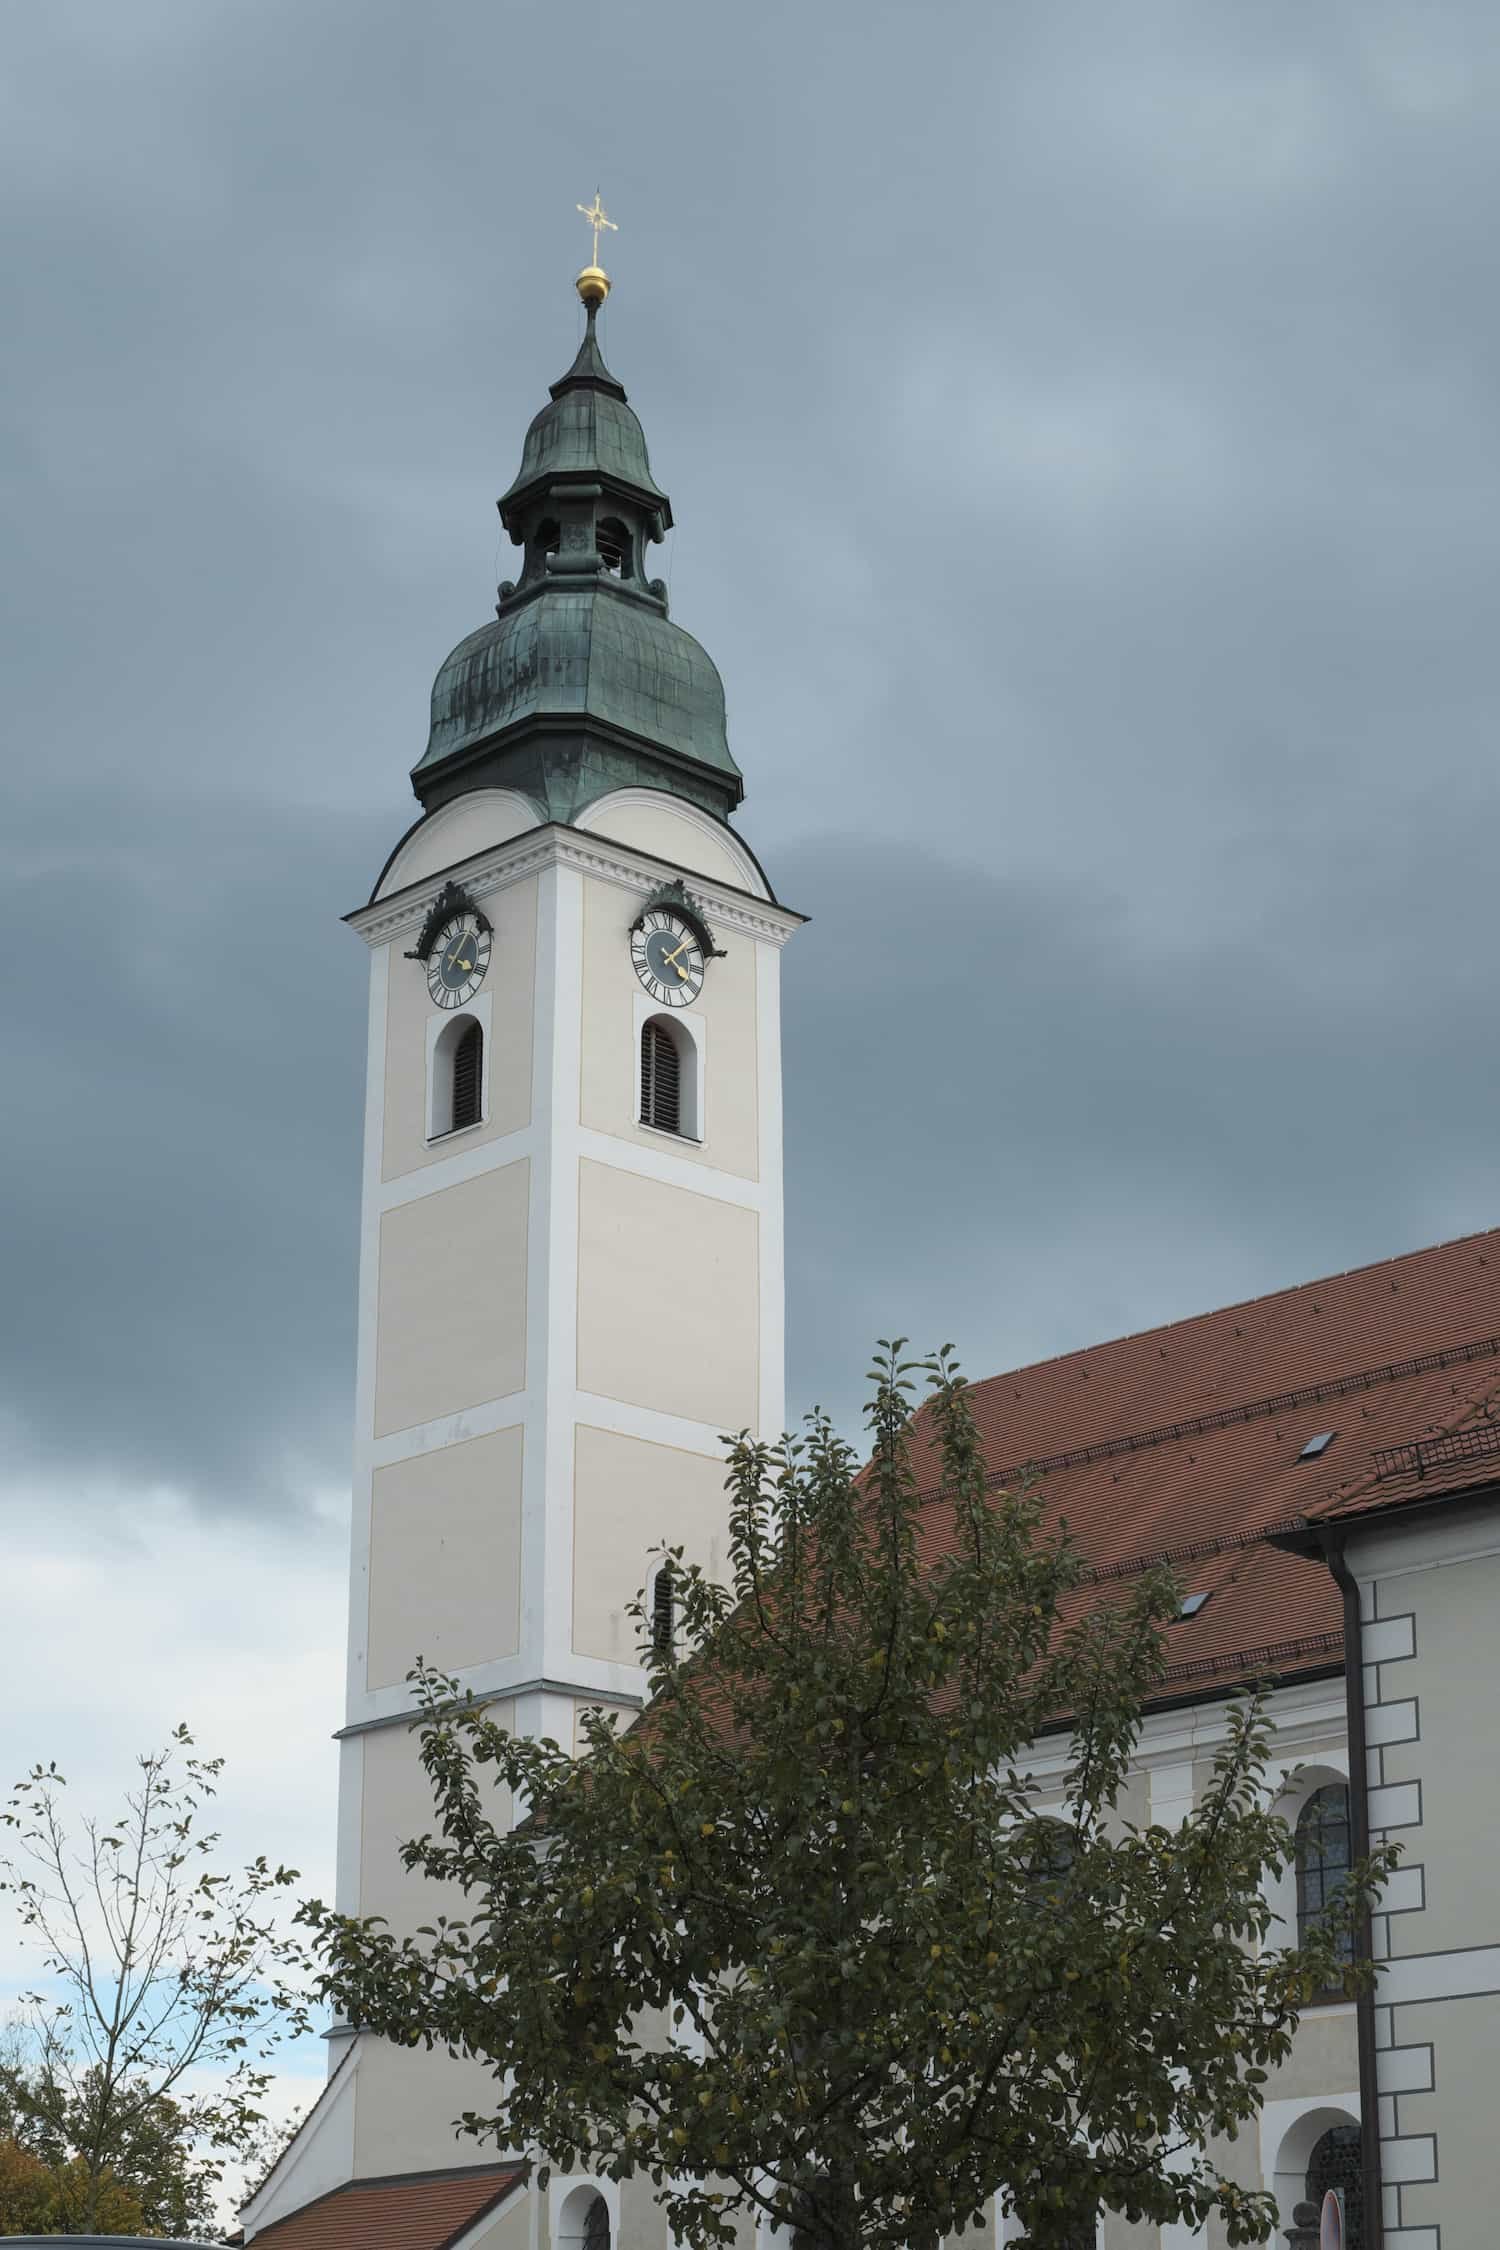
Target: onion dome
582	683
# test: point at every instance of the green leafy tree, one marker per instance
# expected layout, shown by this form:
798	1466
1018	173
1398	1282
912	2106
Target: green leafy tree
156	2181
800	1942
164	1973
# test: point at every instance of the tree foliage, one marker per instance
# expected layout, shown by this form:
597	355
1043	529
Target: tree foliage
168	1983
803	1942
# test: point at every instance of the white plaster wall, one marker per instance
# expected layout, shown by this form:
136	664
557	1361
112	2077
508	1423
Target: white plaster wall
1454	1613
631	1496
406	2102
456	831
398	1806
452	1315
668	1298
445	1557
651	821
512	2227
509	988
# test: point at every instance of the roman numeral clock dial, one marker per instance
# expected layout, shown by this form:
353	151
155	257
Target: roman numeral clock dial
459	957
668	958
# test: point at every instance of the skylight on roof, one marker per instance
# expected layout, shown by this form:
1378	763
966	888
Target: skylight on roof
1317	1445
1191	1604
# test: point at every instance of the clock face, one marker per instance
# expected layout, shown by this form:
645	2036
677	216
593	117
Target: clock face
668	957
456	965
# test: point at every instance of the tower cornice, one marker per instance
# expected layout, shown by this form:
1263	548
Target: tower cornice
553	845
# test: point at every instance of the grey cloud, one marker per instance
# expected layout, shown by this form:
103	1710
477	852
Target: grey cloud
1082	430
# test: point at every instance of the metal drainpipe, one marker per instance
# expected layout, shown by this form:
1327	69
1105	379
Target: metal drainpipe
1364	2018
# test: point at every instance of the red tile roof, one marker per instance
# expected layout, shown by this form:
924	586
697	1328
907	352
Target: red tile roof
431	2211
1182	1443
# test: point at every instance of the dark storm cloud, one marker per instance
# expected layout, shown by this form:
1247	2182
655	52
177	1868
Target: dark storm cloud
1082	427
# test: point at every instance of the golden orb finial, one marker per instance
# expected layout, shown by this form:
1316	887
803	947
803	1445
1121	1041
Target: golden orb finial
593	283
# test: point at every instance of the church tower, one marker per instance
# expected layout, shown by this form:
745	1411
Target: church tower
571	1251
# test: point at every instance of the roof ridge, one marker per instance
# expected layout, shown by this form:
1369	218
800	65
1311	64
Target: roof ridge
1238	1304
1224	1417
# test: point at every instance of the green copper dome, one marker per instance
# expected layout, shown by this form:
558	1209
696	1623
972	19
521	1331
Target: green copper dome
587	429
582	683
592	653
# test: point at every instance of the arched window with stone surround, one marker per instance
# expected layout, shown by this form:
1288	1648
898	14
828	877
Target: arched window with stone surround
583	2223
457	1086
661	1076
1336	2163
1323	1855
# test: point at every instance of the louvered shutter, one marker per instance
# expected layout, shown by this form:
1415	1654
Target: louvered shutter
661	1080
468	1060
663	1611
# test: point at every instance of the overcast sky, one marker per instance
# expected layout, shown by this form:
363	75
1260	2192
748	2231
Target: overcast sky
1082	427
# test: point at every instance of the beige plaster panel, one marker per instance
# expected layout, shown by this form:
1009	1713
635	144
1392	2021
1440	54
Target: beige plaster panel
510	2228
1460	2110
475	822
610	1087
1126	2234
1454	1610
661	829
396	1805
628	1498
405	2103
445	1558
668	1298
643	2223
511	984
1324	2056
451	1320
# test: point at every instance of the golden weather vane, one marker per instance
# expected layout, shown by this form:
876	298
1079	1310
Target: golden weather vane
593	282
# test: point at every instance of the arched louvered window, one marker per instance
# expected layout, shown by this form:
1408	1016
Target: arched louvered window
661	1078
1322	1841
468	1077
1336	2163
664	1611
613	542
596	2225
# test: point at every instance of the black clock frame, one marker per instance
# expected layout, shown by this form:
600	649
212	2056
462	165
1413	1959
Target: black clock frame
451	900
674	898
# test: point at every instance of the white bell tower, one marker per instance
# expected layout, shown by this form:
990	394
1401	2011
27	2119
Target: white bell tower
571	1254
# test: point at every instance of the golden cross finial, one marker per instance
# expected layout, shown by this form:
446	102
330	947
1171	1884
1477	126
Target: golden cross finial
594	213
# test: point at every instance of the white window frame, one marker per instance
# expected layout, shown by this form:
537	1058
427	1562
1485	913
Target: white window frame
690	1026
440	1078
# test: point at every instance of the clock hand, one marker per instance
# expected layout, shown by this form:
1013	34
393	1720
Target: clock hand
672	956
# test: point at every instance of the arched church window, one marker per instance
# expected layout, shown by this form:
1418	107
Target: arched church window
468	1076
661	1077
455	1086
1335	2163
596	2225
664	1611
613	542
1322	1847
